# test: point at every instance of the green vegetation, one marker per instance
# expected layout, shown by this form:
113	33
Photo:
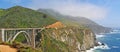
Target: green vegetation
20	17
51	39
2	12
49	44
21	38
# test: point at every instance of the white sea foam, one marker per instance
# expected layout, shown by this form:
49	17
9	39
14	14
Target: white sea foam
103	47
100	44
118	38
98	47
99	36
115	46
115	31
91	50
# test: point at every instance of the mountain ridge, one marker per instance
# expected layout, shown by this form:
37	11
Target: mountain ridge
77	21
21	17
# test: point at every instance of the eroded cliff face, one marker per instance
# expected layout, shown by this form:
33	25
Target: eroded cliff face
67	39
89	40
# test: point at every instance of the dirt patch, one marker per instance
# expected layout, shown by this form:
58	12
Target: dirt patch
55	25
6	48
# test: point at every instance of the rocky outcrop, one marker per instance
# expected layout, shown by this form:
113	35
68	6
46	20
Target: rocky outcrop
67	39
89	40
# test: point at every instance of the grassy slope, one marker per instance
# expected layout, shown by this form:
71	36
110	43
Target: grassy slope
20	17
1	12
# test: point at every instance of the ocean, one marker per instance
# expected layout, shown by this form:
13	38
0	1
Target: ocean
111	41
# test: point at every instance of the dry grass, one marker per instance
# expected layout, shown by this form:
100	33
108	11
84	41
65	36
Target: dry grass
6	48
55	25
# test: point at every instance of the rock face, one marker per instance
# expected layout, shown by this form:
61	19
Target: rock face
89	40
67	39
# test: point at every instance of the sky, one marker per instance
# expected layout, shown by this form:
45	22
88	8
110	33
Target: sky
103	12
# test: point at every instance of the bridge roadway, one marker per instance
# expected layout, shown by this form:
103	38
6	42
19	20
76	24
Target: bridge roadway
10	34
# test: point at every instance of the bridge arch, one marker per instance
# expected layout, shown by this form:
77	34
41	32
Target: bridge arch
26	36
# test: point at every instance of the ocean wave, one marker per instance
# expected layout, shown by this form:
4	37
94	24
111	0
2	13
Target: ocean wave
118	38
91	50
98	47
115	46
99	36
115	31
103	47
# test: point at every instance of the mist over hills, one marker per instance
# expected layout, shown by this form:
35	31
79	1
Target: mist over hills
77	21
13	18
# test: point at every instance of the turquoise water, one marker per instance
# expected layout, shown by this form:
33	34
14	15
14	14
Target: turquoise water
112	40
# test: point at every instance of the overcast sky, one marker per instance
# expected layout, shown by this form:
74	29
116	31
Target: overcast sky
104	12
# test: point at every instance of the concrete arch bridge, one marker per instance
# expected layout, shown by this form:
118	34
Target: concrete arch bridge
10	34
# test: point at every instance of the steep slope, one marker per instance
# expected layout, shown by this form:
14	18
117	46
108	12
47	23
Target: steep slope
67	39
21	17
77	21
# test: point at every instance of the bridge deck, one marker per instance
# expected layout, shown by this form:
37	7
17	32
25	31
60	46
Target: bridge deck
18	28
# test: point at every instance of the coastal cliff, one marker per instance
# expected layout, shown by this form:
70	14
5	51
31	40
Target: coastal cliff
56	37
67	39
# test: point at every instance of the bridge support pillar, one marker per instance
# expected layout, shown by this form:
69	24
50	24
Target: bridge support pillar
3	35
33	38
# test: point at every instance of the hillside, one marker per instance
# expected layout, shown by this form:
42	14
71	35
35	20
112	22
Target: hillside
77	21
58	36
67	39
20	17
1	12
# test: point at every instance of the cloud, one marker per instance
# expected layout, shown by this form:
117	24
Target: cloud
85	10
72	7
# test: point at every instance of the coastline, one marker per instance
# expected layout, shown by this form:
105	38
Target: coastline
100	46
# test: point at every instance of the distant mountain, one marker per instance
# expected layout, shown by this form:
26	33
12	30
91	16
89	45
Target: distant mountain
20	17
77	21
